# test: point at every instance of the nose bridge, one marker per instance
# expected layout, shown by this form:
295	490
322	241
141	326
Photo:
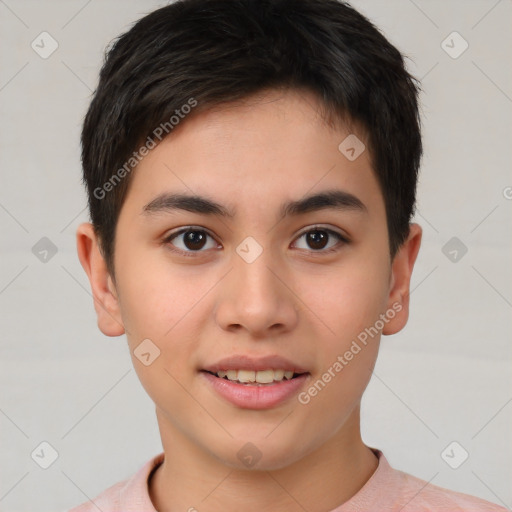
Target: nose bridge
252	264
255	297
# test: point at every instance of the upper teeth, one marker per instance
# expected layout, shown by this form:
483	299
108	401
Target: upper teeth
262	376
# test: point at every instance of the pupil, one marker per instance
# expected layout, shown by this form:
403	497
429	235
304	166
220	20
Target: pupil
315	240
193	239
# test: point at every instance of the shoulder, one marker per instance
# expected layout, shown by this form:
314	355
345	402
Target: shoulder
417	495
108	500
130	495
392	490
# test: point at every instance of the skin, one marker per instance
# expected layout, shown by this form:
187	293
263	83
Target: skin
292	301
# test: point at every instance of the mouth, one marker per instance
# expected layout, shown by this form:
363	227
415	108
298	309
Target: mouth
255	383
250	382
258	378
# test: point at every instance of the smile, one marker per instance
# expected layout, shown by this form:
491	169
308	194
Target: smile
263	377
242	389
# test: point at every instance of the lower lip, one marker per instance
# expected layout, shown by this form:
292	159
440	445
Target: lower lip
247	396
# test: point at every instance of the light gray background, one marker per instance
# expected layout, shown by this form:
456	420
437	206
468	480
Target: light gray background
446	377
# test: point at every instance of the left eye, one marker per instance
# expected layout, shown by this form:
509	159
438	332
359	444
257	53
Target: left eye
317	239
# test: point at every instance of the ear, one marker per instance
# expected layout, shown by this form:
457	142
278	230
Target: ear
106	302
400	279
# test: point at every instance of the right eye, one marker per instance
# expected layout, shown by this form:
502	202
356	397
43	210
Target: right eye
194	240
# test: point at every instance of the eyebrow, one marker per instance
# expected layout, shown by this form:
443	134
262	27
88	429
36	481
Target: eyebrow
330	199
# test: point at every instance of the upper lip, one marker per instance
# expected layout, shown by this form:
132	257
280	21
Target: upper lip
243	362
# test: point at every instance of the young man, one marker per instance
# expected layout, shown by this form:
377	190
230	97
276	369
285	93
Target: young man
251	169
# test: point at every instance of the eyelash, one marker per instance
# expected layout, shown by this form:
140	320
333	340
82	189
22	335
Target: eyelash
167	240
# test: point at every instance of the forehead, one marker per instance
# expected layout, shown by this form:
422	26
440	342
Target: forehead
255	152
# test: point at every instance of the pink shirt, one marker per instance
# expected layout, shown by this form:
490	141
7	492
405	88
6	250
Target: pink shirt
387	490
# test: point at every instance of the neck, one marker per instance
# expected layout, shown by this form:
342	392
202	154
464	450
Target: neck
330	475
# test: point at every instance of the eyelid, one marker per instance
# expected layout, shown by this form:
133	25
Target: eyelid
184	229
319	227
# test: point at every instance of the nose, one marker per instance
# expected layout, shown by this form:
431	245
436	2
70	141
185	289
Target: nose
257	296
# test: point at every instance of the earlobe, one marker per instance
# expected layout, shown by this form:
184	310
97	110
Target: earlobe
106	301
401	272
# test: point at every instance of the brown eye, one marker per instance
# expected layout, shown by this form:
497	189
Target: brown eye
190	240
318	239
194	240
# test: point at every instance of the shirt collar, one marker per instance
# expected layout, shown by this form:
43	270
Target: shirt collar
134	495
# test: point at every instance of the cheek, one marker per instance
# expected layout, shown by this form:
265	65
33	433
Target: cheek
353	303
157	303
347	301
349	307
155	295
166	304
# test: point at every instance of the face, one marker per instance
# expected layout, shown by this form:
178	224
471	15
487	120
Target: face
245	284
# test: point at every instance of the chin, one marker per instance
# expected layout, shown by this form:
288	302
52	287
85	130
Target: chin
262	454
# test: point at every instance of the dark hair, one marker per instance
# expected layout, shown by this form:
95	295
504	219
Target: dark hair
201	53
